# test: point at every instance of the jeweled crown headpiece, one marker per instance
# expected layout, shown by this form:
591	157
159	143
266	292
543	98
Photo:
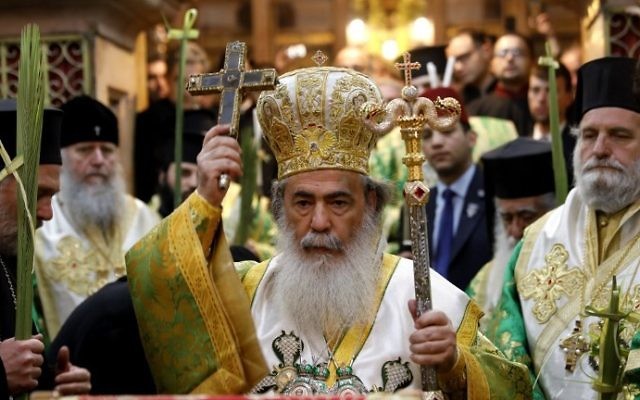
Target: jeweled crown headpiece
314	120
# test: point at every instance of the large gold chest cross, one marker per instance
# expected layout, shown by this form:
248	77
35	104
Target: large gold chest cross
547	284
232	82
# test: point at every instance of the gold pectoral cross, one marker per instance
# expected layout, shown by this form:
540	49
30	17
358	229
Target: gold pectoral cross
232	82
574	346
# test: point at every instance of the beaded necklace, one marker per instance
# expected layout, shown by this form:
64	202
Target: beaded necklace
11	288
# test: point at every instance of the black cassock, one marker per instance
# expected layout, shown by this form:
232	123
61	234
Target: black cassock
102	336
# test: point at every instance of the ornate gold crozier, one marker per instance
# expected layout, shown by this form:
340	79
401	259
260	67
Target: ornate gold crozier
232	82
413	114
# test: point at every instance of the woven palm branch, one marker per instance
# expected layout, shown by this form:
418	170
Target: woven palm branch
29	127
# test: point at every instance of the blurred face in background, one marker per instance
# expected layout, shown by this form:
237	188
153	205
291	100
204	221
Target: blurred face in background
196	63
354	58
91	162
449	152
511	60
157	83
188	178
538	98
472	60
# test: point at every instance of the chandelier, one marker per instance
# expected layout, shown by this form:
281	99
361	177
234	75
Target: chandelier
390	27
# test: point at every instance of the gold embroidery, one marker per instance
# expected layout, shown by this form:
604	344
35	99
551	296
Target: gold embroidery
547	285
507	346
311	106
82	271
316	147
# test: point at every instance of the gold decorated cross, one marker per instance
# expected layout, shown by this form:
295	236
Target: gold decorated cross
574	346
232	82
407	66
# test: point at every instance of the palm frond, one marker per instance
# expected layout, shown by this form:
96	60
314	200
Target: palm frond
29	127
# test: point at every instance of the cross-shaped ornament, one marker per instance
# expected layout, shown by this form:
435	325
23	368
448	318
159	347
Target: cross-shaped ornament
232	82
574	346
407	66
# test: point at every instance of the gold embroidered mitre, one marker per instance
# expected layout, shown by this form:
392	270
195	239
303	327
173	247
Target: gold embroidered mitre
313	120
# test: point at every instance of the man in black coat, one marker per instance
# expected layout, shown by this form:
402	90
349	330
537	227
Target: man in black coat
22	365
103	333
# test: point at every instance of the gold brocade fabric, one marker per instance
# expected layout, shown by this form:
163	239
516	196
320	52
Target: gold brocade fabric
85	271
186	299
608	233
314	120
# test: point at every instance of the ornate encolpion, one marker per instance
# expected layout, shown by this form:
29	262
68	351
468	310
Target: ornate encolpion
314	120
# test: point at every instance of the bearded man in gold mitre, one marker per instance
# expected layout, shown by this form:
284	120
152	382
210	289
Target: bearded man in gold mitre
331	313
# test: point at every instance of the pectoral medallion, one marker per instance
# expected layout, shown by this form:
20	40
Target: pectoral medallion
293	376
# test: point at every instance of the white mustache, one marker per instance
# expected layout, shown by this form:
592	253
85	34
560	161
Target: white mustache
594	163
321	240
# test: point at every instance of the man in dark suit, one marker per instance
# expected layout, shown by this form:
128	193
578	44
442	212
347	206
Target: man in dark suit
538	97
457	229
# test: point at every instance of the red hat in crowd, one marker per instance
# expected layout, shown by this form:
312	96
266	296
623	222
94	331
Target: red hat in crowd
442	92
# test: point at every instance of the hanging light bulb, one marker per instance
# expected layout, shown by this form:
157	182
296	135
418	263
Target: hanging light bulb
357	32
389	49
422	31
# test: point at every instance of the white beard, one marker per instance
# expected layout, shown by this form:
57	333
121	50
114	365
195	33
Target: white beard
502	250
98	205
327	293
606	190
